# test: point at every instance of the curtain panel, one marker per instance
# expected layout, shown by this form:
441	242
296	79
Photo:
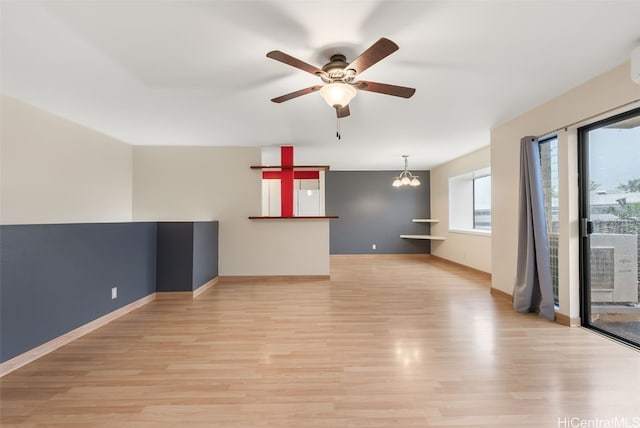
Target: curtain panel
533	290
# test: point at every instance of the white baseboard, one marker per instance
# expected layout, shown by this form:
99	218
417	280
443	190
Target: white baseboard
50	346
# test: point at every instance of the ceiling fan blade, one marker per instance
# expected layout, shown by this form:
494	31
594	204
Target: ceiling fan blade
343	111
384	88
379	50
296	94
294	62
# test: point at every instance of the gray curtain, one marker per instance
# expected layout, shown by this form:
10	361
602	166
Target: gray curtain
533	290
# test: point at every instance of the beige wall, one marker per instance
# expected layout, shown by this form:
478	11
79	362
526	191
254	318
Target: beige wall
216	183
195	183
467	249
55	171
607	91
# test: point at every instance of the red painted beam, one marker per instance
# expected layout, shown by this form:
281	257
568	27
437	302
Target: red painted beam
286	177
286	182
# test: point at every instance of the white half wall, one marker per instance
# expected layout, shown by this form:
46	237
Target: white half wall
275	247
462	248
216	183
605	92
56	171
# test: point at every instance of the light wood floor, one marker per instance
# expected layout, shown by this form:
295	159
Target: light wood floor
387	342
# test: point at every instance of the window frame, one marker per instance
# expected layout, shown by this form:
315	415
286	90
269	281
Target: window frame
462	201
475	179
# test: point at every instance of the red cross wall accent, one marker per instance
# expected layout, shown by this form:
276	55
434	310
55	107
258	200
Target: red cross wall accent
287	175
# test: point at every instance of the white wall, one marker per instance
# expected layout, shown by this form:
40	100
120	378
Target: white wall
466	249
605	92
216	183
56	171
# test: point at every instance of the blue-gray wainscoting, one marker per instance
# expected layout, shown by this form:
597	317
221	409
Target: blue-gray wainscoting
205	250
55	278
185	251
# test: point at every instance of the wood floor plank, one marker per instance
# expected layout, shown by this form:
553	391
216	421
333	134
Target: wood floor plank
386	342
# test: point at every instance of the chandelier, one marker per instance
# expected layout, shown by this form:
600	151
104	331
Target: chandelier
406	178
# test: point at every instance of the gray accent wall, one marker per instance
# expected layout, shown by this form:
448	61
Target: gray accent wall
205	252
371	211
175	256
187	255
57	277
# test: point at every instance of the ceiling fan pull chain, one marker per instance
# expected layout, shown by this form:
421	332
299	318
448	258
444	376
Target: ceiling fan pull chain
338	136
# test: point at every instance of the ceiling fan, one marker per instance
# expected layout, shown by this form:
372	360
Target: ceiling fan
340	77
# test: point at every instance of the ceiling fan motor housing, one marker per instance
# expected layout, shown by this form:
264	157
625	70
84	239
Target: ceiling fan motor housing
336	70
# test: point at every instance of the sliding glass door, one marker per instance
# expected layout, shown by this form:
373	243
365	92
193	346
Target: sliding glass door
610	226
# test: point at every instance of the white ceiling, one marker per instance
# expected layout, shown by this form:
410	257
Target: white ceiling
195	73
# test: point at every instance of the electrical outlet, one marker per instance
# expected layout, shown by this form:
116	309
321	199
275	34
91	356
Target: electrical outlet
373	246
114	293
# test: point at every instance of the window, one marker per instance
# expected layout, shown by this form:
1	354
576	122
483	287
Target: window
550	185
470	202
482	203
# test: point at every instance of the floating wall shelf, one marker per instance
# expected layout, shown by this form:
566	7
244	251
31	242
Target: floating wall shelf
431	237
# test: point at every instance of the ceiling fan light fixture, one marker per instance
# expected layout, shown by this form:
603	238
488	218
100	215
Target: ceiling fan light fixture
338	94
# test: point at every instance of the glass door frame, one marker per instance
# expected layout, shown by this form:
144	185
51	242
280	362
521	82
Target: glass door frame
585	225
